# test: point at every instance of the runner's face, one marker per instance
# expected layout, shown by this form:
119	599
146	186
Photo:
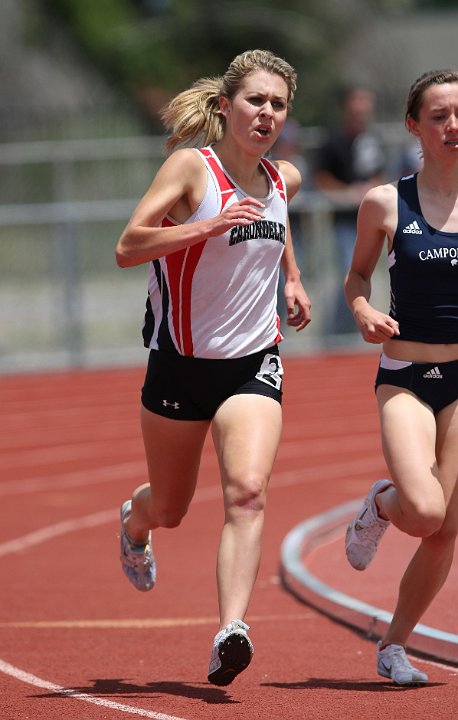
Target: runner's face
258	111
437	125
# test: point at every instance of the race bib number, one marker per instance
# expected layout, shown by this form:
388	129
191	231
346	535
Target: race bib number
271	371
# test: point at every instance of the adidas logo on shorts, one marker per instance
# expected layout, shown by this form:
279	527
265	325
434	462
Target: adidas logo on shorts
433	373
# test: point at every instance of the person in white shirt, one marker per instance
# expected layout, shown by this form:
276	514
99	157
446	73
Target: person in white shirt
214	228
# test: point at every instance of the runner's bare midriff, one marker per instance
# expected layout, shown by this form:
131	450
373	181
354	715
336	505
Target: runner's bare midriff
420	352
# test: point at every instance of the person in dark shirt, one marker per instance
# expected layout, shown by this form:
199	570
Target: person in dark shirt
417	380
350	161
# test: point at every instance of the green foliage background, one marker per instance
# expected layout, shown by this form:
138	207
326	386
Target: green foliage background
153	48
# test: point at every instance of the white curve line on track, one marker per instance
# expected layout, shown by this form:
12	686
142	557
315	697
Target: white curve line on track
74	478
60	528
43	535
450	668
67	526
158	623
100	518
69	692
212	492
108	473
48	533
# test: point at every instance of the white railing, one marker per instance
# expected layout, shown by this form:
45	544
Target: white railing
63	301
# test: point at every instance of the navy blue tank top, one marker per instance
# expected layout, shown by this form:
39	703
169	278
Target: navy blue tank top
423	267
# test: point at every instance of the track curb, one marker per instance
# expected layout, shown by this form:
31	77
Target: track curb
373	621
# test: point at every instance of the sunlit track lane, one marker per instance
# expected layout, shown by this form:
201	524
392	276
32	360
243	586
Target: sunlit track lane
70	451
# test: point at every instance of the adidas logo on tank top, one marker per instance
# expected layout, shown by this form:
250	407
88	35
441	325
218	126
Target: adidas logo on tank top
413	229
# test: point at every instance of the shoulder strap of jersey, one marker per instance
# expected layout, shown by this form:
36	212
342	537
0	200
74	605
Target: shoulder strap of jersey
409	210
408	194
275	176
226	187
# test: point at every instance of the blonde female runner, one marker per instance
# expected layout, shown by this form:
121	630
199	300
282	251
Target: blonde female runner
214	229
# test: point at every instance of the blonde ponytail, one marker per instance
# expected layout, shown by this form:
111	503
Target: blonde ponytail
193	116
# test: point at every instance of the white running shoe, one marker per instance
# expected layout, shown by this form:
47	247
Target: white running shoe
366	530
392	662
137	561
231	653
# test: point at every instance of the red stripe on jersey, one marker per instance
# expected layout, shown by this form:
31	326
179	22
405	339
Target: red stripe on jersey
174	264
192	257
225	185
279	337
276	177
180	268
182	264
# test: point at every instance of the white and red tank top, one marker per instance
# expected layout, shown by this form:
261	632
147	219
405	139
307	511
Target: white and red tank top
217	299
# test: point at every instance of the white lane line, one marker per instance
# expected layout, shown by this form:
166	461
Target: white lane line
77	478
52	531
61	528
30	679
452	670
69	692
288	478
136	469
144	623
44	535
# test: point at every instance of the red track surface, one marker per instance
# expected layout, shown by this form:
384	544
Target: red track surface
79	643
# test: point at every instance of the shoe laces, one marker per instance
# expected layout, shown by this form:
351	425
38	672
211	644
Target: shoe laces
138	559
371	531
237	625
400	660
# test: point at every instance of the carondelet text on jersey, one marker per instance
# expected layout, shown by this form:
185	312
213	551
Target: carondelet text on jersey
268	229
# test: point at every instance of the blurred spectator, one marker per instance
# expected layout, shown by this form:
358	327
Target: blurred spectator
289	147
350	161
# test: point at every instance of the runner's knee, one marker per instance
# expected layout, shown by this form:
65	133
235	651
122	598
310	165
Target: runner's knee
425	519
246	496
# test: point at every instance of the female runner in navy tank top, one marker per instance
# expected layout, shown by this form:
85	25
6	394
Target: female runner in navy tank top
417	380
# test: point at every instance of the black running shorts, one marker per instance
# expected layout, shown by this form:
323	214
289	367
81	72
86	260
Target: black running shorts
434	383
187	388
